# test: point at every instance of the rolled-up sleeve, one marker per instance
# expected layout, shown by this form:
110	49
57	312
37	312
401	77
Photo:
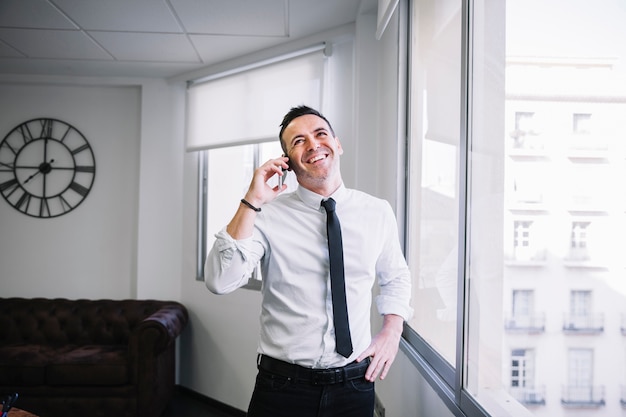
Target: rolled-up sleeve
394	277
230	262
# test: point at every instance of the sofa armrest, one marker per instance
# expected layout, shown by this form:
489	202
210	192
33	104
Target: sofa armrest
152	356
160	329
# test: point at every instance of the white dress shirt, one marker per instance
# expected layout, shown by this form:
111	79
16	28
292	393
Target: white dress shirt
289	240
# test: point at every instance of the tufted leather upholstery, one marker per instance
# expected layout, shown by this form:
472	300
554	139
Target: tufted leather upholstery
89	357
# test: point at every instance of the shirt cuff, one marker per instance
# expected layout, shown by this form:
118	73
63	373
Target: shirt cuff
387	306
227	246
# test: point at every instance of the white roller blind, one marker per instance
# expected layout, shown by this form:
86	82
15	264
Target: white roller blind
248	107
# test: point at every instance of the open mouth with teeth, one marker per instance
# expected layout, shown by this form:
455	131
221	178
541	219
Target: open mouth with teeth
317	158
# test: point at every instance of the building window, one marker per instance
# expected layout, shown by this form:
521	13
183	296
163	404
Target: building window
580	303
527	241
581	124
523	303
521	368
579	240
580	391
581	318
589	132
524	123
521	238
523	386
525	130
523	315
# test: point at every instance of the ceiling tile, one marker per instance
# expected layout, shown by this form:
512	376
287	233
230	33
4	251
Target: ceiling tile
233	17
213	49
121	15
32	14
305	19
58	44
7	52
154	47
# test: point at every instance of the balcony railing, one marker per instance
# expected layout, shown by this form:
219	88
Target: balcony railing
583	397
529	396
583	324
534	323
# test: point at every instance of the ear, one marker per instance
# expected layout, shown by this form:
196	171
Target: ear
339	147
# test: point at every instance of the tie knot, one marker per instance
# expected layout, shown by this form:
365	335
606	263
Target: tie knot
329	205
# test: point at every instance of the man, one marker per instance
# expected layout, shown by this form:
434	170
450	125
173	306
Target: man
301	372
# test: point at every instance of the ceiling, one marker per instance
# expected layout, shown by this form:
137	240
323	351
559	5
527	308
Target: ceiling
154	38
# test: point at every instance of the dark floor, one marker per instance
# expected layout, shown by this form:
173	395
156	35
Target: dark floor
187	403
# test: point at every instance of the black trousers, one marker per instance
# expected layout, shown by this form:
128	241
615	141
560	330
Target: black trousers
300	392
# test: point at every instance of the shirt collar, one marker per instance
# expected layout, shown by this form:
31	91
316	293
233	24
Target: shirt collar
314	200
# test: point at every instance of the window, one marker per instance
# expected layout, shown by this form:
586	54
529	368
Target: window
523	317
524	123
580	390
580	303
516	158
527	241
581	318
523	378
521	239
579	241
434	192
520	360
591	131
582	123
523	303
525	129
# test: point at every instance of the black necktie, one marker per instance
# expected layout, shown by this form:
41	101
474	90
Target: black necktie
337	281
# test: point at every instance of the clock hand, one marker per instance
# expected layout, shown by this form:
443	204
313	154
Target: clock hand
44	168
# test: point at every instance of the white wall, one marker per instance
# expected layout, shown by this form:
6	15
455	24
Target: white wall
135	235
90	251
124	240
159	227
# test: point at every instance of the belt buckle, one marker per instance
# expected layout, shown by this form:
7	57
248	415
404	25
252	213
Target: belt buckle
326	377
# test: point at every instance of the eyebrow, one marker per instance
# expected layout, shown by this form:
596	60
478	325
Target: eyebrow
317	130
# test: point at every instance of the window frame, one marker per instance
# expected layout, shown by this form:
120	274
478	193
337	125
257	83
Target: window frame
444	378
447	380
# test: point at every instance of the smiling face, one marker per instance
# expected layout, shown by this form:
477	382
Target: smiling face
313	153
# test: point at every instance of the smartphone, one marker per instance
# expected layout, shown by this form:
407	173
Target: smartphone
281	178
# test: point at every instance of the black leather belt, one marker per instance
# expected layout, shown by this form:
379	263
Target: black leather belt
299	373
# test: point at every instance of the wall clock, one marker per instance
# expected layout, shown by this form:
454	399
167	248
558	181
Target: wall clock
47	168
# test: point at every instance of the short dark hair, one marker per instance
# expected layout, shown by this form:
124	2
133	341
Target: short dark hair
297	112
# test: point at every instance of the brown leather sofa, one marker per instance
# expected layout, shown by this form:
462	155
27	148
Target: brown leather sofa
71	358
